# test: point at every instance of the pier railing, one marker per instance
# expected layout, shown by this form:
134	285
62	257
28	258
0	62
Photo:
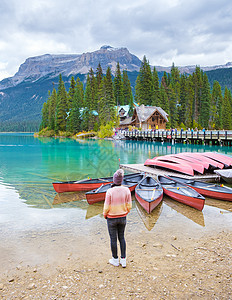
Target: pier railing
221	137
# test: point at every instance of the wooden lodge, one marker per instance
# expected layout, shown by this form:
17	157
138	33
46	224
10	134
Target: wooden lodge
146	117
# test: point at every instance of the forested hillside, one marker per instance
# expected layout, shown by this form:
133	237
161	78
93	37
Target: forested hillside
223	76
187	99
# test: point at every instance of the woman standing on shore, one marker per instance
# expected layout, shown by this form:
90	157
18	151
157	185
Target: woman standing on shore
117	205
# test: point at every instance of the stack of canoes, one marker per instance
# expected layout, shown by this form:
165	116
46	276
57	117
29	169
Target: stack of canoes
190	163
149	191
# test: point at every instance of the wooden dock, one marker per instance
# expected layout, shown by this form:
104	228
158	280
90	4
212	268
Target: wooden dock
154	172
220	138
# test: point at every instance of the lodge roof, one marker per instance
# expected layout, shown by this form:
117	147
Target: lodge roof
145	112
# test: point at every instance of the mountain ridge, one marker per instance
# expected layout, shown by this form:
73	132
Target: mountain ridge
22	96
37	67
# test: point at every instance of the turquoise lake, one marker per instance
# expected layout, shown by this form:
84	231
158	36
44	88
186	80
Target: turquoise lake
29	204
30	165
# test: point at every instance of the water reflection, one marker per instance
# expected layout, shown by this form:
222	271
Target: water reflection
94	210
68	197
187	211
149	220
225	205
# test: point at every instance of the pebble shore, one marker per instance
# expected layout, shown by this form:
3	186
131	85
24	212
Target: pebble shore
200	269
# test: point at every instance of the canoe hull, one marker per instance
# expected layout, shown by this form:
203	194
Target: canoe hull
90	184
94	197
213	194
178	167
149	206
76	187
191	201
149	193
207	189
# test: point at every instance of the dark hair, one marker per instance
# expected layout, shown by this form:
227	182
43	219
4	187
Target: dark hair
113	185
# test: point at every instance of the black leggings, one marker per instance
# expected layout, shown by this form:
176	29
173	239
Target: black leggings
116	228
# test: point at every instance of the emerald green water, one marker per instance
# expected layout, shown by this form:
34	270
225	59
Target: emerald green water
30	165
39	225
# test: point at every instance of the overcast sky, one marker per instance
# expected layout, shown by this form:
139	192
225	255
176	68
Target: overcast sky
186	32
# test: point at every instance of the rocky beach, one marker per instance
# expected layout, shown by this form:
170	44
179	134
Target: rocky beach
56	265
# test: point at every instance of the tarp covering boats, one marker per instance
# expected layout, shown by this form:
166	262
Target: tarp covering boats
225	174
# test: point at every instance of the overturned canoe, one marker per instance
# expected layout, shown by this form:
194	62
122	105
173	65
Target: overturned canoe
149	193
224	159
210	190
171	165
181	192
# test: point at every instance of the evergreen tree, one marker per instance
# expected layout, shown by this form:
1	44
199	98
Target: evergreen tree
88	106
197	81
80	86
172	106
71	92
44	122
164	104
156	96
205	102
99	76
216	107
127	92
107	111
226	111
144	89
182	112
62	107
74	120
52	110
118	86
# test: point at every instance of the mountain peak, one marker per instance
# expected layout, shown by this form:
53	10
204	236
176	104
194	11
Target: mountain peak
72	64
106	47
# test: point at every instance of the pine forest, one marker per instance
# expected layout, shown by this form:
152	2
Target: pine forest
187	99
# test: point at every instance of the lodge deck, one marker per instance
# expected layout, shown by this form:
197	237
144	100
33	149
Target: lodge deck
154	172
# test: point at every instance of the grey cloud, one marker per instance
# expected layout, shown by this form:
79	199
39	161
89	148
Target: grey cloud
163	30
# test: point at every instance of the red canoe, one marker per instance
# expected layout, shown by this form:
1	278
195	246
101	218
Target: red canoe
149	193
197	166
87	184
181	193
207	189
185	155
224	159
99	194
171	165
201	157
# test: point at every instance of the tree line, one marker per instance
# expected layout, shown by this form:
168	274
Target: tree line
187	99
87	109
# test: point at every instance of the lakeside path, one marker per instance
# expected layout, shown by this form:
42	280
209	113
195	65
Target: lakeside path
179	268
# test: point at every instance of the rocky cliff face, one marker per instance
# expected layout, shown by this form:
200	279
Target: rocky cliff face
51	66
37	67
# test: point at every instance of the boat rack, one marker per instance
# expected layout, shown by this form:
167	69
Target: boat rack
154	172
